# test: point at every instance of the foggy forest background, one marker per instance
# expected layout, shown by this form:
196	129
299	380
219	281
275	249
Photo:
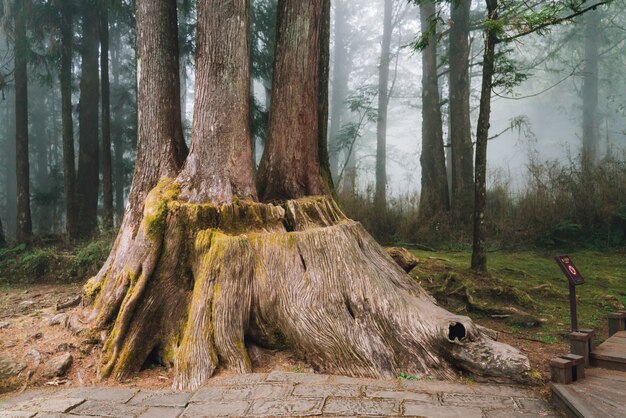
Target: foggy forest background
544	187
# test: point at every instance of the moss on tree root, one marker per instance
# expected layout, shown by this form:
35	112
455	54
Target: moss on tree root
197	281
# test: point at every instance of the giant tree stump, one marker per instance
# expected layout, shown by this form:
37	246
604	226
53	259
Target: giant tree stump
199	281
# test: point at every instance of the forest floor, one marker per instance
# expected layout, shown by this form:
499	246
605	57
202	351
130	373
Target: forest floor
526	290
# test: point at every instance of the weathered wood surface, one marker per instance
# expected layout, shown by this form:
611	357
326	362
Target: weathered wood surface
601	394
611	354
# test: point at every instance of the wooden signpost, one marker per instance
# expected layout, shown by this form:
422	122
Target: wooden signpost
575	279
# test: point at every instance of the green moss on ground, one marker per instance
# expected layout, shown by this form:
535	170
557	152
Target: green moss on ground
530	282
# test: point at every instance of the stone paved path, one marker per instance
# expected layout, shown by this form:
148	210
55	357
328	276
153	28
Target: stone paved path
287	394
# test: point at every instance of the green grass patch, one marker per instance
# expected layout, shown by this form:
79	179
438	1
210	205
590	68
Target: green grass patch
531	282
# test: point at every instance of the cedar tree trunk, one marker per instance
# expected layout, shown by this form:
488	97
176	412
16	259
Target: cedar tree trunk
88	175
462	150
380	196
479	250
591	134
24	223
294	124
434	195
107	170
3	242
341	71
210	269
65	78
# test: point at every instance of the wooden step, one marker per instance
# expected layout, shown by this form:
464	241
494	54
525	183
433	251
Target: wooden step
602	393
611	354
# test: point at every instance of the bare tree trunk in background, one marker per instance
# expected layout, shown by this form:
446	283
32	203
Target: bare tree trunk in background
107	169
87	180
479	249
591	134
434	194
40	141
462	150
341	72
322	103
380	196
24	223
293	131
3	241
10	169
118	140
65	78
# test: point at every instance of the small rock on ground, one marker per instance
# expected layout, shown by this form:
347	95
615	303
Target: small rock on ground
57	366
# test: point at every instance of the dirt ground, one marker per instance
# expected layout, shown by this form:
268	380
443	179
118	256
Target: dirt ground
27	336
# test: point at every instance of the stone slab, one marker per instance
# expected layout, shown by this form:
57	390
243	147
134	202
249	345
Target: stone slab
108	409
400	395
121	395
287	377
238	379
481	401
16	414
436	386
323	390
62	404
365	407
414	409
290	407
160	398
162	412
240	393
216	409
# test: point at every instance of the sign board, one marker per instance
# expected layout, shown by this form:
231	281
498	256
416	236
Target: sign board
569	269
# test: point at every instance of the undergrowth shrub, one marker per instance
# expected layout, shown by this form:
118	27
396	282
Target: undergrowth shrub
561	204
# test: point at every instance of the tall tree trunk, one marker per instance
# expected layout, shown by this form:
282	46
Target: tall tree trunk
479	249
380	196
462	152
591	134
10	168
220	137
42	207
24	224
322	103
87	180
65	78
211	269
341	71
434	195
290	166
3	241
118	140
107	169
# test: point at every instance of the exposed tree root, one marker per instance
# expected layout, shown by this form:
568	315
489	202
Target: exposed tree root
198	281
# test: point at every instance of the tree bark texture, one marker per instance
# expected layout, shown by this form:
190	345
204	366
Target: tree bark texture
87	180
434	194
341	72
322	103
219	166
200	279
380	195
24	222
65	78
591	134
160	147
107	169
290	166
479	249
462	150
